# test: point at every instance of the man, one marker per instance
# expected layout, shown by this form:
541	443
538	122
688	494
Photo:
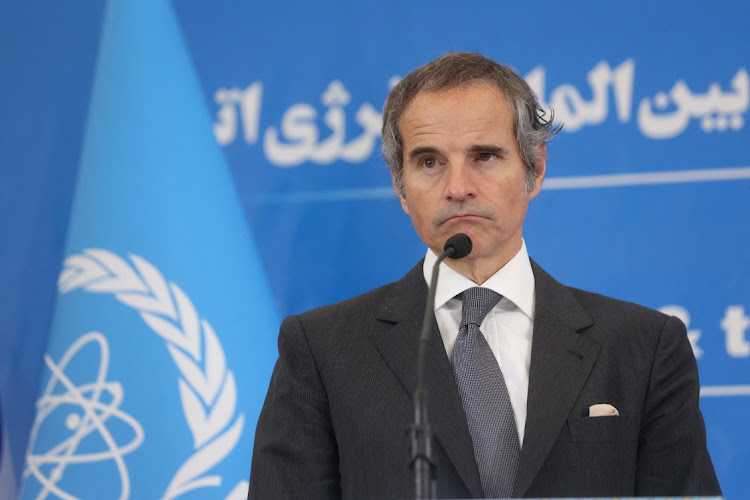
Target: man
519	368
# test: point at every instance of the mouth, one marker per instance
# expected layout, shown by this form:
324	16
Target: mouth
462	217
457	214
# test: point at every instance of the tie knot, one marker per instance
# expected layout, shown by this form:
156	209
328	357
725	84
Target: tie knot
477	302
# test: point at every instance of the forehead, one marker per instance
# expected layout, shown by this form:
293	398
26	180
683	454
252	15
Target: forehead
473	111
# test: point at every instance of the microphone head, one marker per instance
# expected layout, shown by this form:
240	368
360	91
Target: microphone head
461	245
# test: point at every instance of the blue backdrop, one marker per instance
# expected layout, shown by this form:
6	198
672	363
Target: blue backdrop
647	197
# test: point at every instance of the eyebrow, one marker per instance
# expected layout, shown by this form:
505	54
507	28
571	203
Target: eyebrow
414	153
477	148
486	148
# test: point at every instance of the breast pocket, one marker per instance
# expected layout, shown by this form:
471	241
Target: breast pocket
602	455
603	429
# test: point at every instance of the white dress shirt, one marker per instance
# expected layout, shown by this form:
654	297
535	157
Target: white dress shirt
508	327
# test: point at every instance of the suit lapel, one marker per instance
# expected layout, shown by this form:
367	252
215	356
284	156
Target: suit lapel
399	346
561	359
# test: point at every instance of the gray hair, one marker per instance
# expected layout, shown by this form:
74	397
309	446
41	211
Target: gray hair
457	69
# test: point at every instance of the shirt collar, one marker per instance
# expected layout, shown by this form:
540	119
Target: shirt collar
514	281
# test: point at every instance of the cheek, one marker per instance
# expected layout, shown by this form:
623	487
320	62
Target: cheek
413	203
421	217
514	192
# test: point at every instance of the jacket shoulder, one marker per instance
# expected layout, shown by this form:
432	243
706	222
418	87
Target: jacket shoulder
603	310
364	304
353	316
617	315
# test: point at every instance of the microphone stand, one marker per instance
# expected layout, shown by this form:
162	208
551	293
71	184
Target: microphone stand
421	434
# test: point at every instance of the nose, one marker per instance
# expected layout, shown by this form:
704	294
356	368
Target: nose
459	181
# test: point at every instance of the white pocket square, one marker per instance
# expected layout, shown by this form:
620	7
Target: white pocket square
603	410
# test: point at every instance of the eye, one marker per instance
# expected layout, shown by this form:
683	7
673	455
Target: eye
487	156
429	162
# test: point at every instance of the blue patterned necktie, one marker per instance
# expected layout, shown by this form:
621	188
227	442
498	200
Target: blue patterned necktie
485	397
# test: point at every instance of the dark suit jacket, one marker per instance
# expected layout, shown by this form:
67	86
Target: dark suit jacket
335	418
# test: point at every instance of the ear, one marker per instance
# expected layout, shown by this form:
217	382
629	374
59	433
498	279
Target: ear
541	171
401	198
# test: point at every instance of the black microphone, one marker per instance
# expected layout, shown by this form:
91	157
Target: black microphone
457	246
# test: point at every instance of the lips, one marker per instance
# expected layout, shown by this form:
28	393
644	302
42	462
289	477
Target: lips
457	213
458	217
464	216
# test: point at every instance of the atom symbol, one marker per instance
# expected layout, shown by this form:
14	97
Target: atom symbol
81	435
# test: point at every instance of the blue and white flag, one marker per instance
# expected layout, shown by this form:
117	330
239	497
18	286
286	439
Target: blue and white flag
163	338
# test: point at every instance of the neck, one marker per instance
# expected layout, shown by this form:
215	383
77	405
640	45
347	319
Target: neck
475	272
480	269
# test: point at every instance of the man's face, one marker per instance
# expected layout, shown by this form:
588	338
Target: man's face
463	172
